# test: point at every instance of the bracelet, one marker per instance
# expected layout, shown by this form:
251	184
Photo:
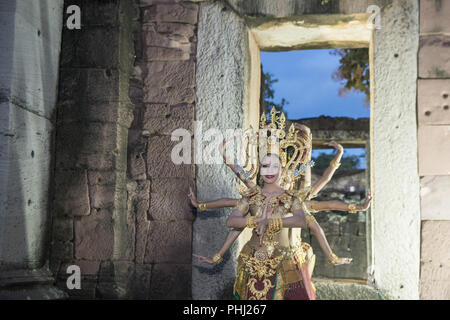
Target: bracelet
335	164
352	208
202	206
333	259
217	258
251	223
275	225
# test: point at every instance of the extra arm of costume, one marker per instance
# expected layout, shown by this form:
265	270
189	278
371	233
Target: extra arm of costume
314	226
328	205
241	175
220	203
326	177
232	236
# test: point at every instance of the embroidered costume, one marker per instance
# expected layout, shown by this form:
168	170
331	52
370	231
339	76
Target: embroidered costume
277	269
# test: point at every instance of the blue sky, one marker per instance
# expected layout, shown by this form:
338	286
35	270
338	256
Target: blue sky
304	80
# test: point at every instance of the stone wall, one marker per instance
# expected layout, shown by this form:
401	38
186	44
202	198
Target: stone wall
91	226
30	43
434	148
163	91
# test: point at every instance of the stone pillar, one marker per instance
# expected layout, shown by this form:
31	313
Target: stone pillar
91	225
163	90
434	148
223	80
394	179
30	37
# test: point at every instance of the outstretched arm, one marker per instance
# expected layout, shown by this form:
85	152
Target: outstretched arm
320	235
219	203
232	236
329	172
235	168
240	210
306	182
339	205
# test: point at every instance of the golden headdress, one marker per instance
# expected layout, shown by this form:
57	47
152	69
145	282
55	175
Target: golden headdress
290	146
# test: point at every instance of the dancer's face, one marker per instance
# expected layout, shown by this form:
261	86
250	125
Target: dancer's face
270	168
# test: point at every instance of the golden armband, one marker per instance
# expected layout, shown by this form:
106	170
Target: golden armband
251	223
275	225
217	258
352	208
202	206
335	164
333	259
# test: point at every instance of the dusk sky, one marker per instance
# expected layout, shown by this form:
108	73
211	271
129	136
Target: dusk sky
304	80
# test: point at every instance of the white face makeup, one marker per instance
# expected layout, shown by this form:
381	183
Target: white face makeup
270	168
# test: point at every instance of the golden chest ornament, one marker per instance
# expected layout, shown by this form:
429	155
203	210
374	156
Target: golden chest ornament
283	200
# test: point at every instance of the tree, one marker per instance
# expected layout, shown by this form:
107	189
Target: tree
269	93
322	161
354	71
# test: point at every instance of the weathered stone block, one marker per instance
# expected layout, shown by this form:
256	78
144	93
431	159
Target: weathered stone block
97	13
177	277
183	111
142	227
94	236
62	229
84	112
157	110
102	196
87	268
166	125
104	178
140	287
433	101
169	242
159	161
62	250
167	54
169	199
434	146
170	95
94	161
182	12
179	74
434	200
434	16
434	290
435	242
183	29
85	138
72	85
71	193
435	260
145	3
338	290
434	57
172	36
103	85
136	165
91	47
